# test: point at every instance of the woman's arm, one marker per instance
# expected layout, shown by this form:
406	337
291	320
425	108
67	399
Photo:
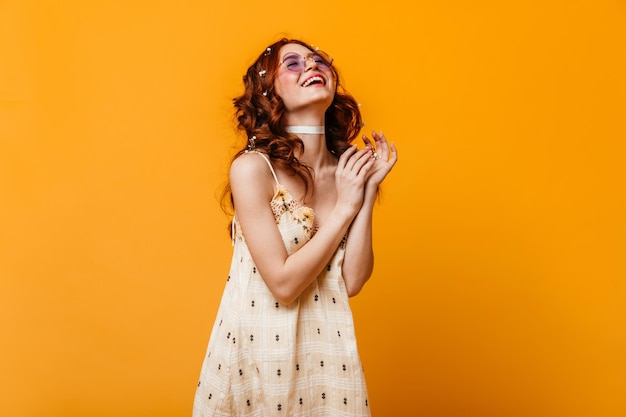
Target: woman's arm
288	275
358	262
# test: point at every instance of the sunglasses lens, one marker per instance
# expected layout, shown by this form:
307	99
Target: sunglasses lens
294	62
321	60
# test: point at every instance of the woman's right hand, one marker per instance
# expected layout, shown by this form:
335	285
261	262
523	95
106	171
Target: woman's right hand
350	178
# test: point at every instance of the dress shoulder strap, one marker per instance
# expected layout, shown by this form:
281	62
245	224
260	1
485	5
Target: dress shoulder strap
268	164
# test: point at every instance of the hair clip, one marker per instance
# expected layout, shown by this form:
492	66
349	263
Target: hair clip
267	51
251	145
262	73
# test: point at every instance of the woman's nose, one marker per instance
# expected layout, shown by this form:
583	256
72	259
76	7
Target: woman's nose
306	62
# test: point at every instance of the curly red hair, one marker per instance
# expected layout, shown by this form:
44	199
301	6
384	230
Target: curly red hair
259	112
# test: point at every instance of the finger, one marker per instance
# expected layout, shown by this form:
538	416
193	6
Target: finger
377	137
394	154
362	154
382	146
367	141
343	159
381	151
362	160
365	167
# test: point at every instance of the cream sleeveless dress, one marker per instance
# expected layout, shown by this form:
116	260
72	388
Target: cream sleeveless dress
265	358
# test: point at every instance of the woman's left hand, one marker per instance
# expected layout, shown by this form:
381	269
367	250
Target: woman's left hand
386	156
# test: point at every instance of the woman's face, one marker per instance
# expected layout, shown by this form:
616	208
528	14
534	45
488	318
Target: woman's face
302	79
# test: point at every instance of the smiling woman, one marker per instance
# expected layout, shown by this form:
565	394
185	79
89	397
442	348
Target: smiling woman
283	342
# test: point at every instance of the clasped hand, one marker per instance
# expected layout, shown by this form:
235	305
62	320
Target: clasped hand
365	169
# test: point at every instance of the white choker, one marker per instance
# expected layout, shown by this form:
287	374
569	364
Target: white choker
312	130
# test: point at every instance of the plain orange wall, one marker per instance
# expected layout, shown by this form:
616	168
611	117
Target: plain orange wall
500	282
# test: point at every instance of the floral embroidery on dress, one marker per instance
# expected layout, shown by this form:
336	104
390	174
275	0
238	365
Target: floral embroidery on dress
305	217
282	203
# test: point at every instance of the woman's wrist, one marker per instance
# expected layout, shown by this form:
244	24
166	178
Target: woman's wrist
371	189
345	212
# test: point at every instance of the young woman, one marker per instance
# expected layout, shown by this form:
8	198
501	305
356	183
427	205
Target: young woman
283	343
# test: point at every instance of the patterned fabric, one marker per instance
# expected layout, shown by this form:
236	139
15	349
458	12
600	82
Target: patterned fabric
269	359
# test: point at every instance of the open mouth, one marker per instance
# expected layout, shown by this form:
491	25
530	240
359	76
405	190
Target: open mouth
315	80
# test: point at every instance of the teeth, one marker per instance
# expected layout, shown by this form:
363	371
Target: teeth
311	80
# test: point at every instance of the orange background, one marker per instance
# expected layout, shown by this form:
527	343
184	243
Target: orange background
500	279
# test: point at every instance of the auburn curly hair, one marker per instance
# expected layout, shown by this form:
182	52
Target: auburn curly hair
260	112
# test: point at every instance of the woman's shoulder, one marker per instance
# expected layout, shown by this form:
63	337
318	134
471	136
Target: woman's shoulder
251	167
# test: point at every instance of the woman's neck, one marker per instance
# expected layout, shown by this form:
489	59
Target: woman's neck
315	153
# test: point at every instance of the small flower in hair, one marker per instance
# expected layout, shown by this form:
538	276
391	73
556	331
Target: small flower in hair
267	51
262	73
251	145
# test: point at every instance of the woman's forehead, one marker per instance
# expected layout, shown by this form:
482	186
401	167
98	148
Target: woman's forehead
294	47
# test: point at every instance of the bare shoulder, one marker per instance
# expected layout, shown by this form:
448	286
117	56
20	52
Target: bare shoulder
250	172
